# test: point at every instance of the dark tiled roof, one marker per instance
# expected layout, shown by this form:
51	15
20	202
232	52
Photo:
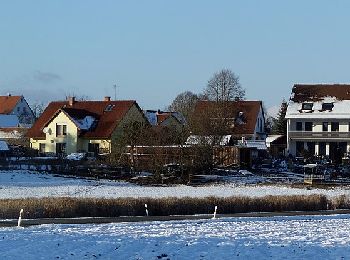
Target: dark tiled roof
302	93
250	113
107	120
8	103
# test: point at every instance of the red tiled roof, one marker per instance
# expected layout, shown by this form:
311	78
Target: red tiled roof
250	111
107	120
316	92
8	103
161	117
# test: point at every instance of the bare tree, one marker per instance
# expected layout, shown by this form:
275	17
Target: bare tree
224	86
184	103
38	108
77	97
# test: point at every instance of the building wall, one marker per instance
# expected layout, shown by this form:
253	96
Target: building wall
24	112
133	115
317	126
51	139
259	133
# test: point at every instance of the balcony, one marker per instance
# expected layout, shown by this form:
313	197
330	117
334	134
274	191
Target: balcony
318	135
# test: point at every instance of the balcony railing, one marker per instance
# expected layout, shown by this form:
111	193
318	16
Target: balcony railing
319	135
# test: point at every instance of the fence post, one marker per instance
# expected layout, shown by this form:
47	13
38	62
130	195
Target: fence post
216	207
20	218
146	210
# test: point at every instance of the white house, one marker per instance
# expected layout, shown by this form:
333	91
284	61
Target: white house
318	120
17	106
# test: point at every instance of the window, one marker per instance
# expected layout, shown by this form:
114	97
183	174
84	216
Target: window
299	126
307	106
325	126
327	106
335	126
109	107
18	109
60	149
308	126
61	130
41	148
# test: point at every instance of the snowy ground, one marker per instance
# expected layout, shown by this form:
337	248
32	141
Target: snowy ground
304	237
23	184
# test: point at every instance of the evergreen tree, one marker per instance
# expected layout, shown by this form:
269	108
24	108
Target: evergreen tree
280	123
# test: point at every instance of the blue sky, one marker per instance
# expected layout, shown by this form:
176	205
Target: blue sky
154	50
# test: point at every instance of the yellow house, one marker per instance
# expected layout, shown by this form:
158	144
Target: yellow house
82	126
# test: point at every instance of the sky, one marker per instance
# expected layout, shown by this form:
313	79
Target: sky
154	50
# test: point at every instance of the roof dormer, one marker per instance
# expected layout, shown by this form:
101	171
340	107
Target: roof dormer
307	106
327	106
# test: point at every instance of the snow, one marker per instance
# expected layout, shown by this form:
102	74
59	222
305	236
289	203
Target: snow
258	144
75	156
3	146
341	109
85	123
9	121
25	184
302	237
201	139
271	138
14	134
151	116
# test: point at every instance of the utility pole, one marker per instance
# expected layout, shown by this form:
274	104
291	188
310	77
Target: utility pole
115	91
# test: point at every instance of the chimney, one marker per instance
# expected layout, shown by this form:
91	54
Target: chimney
107	98
71	101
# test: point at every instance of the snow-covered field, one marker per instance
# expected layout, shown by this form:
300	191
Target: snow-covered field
24	184
304	237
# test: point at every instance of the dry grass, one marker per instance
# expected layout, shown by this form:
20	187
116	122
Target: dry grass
93	207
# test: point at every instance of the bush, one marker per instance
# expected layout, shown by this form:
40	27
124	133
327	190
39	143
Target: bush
99	207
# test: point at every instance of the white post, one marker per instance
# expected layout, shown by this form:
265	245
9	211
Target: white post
216	207
20	218
146	210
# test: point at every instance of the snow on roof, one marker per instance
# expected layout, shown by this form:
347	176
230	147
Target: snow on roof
9	121
4	146
13	134
258	144
199	139
151	116
85	123
341	109
271	138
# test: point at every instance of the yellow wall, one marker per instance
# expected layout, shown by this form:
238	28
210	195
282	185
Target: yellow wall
75	144
51	139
